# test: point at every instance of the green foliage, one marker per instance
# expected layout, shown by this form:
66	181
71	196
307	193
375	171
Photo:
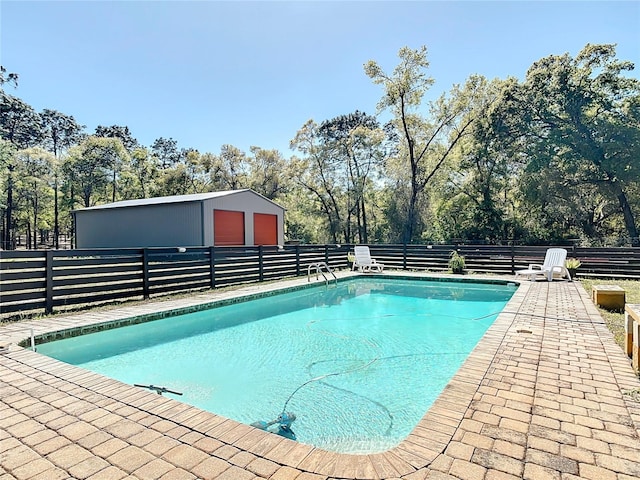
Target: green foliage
94	167
341	160
550	159
456	262
60	131
120	132
302	221
34	176
576	121
20	124
572	263
426	143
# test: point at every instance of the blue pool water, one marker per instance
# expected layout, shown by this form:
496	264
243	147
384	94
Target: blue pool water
359	363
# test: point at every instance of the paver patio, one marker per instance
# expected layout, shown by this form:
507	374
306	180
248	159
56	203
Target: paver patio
543	396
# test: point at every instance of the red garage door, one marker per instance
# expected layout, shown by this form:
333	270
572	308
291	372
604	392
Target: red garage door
265	229
228	227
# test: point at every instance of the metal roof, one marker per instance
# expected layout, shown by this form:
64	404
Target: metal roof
194	197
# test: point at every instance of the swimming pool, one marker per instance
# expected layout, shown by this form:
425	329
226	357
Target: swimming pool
359	363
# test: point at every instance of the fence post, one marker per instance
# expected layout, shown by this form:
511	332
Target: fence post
212	266
404	256
297	260
513	258
49	282
326	254
145	273
260	263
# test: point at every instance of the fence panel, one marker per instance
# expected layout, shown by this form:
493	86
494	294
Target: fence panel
169	270
233	265
608	262
94	276
23	286
488	258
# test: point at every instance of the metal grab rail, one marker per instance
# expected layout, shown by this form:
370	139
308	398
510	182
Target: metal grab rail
318	267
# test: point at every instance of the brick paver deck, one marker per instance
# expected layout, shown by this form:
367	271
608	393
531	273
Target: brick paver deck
543	396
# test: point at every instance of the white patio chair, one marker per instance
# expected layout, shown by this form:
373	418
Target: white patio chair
363	261
553	265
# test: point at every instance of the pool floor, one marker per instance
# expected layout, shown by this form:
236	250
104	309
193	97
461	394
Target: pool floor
544	404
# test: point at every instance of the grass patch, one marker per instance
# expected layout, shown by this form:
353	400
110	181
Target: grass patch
615	320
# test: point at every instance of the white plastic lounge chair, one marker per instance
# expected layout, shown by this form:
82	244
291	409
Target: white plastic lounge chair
364	262
553	265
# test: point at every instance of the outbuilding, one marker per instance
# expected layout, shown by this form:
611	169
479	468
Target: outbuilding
228	218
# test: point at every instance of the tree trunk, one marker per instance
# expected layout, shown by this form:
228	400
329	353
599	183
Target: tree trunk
113	194
365	233
411	217
9	210
35	218
627	214
358	214
35	230
56	221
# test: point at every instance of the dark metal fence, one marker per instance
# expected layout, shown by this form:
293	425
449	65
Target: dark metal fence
44	281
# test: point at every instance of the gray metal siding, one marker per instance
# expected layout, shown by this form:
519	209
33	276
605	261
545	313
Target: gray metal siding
167	225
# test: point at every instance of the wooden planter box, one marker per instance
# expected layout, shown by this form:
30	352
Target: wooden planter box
611	297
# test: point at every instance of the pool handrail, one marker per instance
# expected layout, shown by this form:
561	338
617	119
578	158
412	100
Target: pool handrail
318	267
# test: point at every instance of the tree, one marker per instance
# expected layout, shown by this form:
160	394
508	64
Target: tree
233	167
341	156
34	167
475	200
120	132
7	151
580	118
7	77
355	142
20	124
426	142
60	132
197	177
190	175
145	169
317	172
165	152
302	221
267	172
94	164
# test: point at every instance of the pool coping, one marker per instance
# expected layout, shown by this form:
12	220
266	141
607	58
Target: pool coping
434	434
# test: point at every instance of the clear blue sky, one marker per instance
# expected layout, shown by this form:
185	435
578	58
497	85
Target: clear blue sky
208	73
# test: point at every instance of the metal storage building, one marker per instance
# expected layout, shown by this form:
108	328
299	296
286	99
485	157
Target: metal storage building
233	217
